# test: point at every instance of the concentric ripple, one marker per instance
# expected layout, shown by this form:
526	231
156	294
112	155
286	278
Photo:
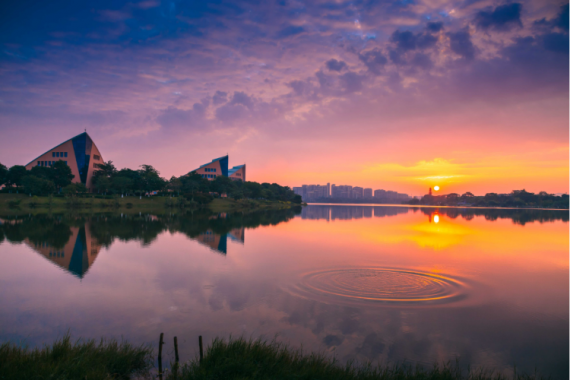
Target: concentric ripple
381	285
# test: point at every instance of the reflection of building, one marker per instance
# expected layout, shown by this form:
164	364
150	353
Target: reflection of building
79	153
219	242
76	256
219	167
317	212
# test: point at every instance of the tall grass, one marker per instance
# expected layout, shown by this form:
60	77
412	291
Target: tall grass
253	360
81	360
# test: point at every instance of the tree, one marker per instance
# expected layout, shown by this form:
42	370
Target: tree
151	179
44	172
3	174
61	174
467	195
122	184
74	188
15	175
103	184
175	184
106	169
37	186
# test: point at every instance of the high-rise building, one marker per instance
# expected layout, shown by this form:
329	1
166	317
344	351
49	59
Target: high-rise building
342	191
79	153
367	193
357	192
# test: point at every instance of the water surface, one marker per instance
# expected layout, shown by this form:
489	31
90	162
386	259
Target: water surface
387	284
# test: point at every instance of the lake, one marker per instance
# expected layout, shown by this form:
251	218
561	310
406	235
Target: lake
387	284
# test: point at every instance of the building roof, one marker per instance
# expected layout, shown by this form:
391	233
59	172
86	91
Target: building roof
84	133
235	169
214	160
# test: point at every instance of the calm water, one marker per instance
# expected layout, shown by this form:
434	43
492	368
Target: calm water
388	284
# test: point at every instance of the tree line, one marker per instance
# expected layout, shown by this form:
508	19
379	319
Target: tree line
107	179
517	198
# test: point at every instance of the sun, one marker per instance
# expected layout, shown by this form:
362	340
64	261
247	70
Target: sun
436	188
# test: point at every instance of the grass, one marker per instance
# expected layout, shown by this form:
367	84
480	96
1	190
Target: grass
256	360
23	202
81	360
236	359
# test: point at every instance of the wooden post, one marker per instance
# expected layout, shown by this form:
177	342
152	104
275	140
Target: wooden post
160	343
201	349
176	358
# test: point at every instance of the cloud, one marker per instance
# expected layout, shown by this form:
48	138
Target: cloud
191	119
434	27
289	31
220	97
374	60
460	43
409	41
502	18
334	65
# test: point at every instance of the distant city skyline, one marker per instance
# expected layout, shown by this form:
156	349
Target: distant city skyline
328	191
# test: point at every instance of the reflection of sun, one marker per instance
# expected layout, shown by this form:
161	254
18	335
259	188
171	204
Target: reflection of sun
436	218
436	188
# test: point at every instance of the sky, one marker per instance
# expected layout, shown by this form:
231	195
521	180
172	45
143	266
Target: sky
402	95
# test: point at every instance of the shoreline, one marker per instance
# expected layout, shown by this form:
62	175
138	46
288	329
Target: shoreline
432	206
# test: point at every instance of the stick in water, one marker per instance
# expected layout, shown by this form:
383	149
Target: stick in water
201	349
176	358
160	343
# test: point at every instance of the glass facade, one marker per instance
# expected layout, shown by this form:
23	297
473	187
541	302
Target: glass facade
82	146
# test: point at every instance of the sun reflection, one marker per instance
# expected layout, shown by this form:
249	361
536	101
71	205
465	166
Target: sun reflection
436	218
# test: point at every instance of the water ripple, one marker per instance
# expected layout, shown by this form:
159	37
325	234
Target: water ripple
380	285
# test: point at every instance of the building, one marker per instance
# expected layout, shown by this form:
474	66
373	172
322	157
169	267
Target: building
219	167
357	192
79	153
237	173
313	192
341	191
368	193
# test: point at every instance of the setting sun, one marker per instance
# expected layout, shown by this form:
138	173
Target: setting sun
436	188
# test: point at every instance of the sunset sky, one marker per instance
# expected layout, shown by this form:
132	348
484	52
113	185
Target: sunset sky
469	95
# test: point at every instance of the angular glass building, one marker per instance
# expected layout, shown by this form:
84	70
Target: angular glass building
79	153
219	167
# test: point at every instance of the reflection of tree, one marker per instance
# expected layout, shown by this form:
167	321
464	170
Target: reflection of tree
105	228
38	229
518	216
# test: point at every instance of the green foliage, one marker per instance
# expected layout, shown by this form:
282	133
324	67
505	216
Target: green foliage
257	360
3	174
61	174
37	186
82	360
15	175
74	189
14	203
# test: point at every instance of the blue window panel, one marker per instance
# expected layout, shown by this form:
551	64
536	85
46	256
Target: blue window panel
53	154
64	154
39	164
224	166
82	147
57	154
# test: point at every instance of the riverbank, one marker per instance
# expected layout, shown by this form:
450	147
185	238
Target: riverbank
236	359
20	202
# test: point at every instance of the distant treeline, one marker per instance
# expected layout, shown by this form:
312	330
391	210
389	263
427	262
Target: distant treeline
42	180
517	198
